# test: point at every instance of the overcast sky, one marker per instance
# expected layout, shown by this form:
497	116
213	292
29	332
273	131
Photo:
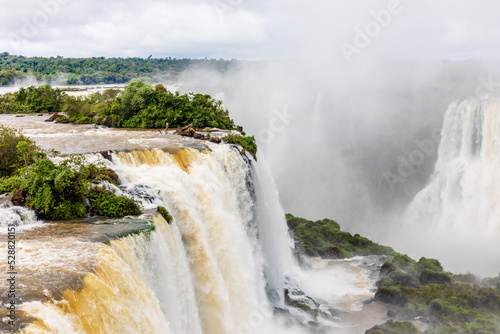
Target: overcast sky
251	29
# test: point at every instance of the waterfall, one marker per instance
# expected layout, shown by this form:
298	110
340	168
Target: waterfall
275	241
111	298
458	212
212	270
21	217
221	246
464	189
159	259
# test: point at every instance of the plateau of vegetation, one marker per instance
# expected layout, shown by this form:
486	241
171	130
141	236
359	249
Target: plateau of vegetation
444	302
100	70
57	190
138	105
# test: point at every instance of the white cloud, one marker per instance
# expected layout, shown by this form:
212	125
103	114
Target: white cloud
245	28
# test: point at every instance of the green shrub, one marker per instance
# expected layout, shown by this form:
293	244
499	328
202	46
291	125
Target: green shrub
9	184
141	105
248	143
106	203
9	105
41	99
99	174
431	264
392	295
164	212
55	191
16	151
59	191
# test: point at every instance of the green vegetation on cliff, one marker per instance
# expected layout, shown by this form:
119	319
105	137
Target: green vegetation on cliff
247	142
324	238
411	289
422	289
165	214
56	190
99	70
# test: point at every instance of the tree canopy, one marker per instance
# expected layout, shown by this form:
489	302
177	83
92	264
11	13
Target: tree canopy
99	70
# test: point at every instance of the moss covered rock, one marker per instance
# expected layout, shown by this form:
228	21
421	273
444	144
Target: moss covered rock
392	295
394	327
429	276
104	174
325	238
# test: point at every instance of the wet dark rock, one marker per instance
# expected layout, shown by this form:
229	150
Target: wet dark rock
315	308
214	140
298	299
198	136
141	191
19	197
106	155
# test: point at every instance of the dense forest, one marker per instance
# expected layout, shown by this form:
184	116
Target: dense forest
99	70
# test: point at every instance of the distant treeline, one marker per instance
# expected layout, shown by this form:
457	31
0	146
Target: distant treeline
99	70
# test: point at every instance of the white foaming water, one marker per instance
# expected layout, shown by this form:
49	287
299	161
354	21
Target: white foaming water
461	204
344	284
20	217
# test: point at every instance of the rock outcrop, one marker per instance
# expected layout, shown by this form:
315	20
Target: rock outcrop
53	117
186	130
19	197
